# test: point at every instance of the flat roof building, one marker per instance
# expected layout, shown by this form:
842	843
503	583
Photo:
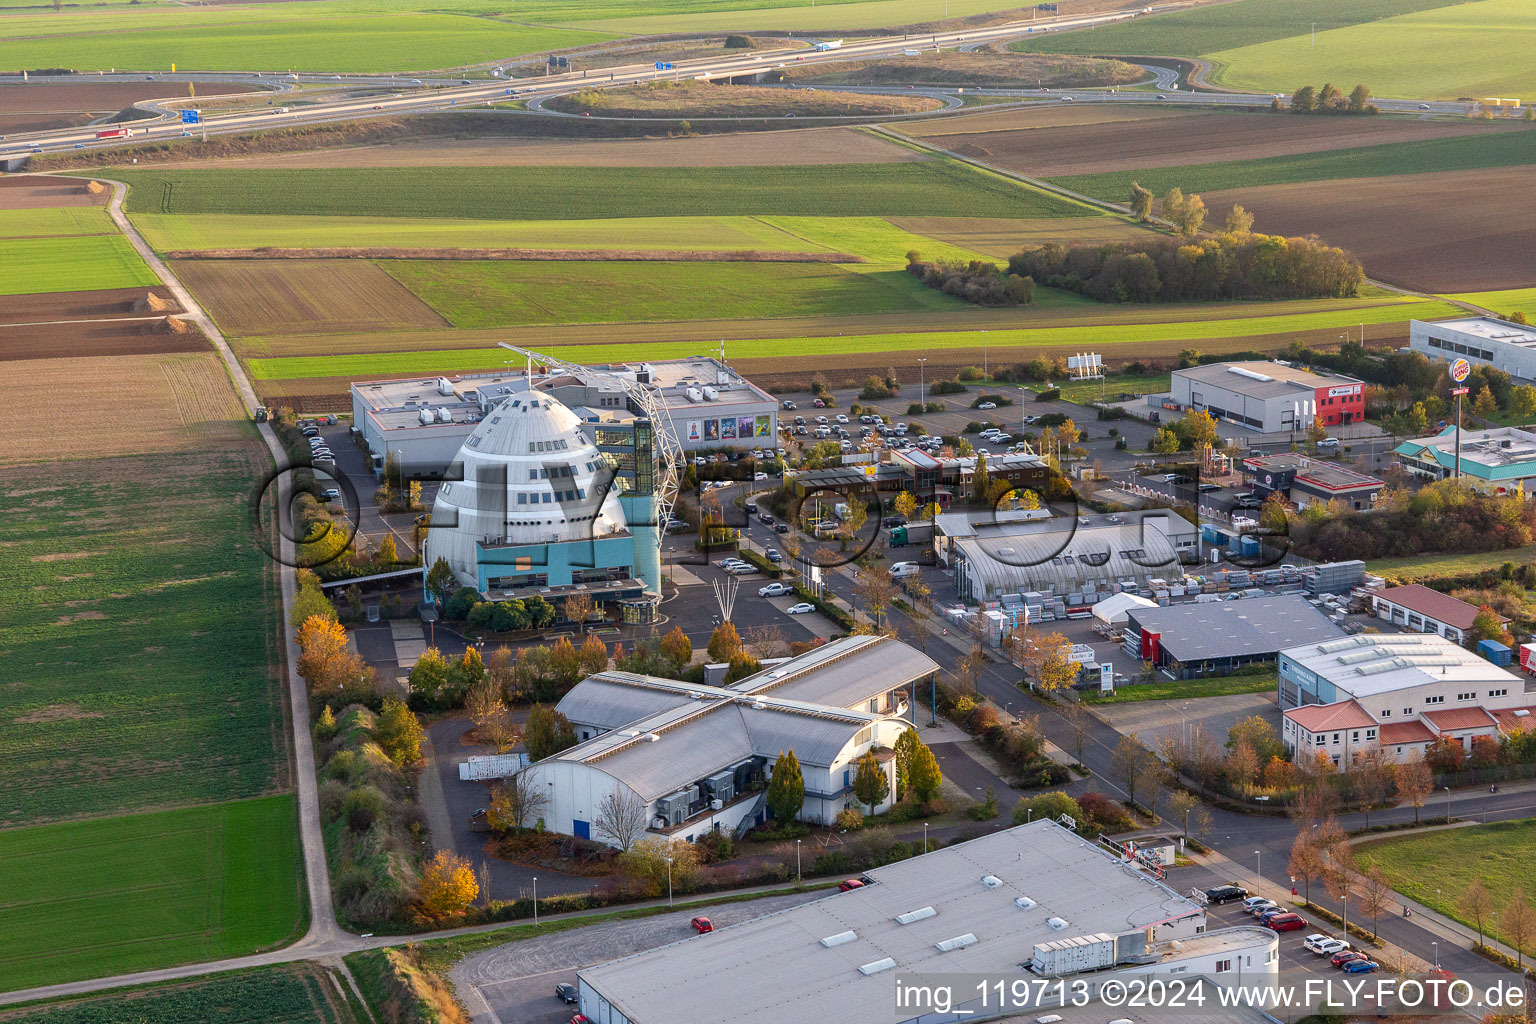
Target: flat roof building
1308	481
1268	397
1481	340
1421	609
1398	691
1035	901
1192	640
1499	460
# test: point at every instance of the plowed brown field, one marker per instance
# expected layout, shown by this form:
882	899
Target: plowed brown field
1456	231
97	305
30	192
757	149
303	296
1206	138
41	105
1044	116
114	338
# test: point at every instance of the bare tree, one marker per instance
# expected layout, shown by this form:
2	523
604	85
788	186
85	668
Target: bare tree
620	818
1519	922
1130	762
1415	781
1200	822
1375	895
877	590
1476	904
1079	723
767	641
493	722
517	802
1181	803
578	608
1306	861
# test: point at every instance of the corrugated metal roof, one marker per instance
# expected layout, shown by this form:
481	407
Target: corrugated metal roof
611	700
1252	626
845	673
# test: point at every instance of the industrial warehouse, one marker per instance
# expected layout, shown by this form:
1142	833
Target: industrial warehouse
1481	340
1187	641
1032	901
1267	397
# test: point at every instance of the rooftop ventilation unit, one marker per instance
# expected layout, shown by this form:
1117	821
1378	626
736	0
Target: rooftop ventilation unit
444	386
1025	903
1056	923
1243	371
875	967
915	915
958	942
651	737
991	881
839	939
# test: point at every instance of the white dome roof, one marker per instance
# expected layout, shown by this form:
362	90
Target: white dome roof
529	476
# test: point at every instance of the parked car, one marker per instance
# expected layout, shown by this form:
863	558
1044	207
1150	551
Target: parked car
819	404
1257	904
566	992
1285	922
841	418
765	518
774	555
780	527
802	608
987	405
1324	945
788	404
775	590
1344	956
702	925
1175	478
850	883
1361	966
1226	894
1328	444
1208	488
330	494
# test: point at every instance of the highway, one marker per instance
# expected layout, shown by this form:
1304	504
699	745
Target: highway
435	94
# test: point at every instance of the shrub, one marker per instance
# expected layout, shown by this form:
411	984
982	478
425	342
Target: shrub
736	42
977	282
946	387
1108	814
984	810
850	819
982	718
1047	805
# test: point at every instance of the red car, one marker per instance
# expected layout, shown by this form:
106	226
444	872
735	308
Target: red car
1344	956
1286	922
852	883
702	925
581	1018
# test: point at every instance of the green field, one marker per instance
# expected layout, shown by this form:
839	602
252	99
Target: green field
1181	689
1421	567
56	221
194	231
1504	302
1086	392
1456	153
71	264
463	360
876	240
1420	55
85	899
936	188
135	635
504	293
316	38
285	994
1197	32
1435	868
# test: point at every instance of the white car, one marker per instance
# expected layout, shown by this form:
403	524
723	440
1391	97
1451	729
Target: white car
987	405
800	609
841	418
1257	904
1323	945
776	590
759	476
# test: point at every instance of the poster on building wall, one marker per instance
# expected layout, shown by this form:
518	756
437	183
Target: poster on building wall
695	430
764	427
728	429
745	426
711	430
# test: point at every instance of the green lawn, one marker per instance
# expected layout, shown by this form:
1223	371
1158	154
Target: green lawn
284	994
71	264
1168	689
135	632
1507	301
1461	152
84	899
1420	567
176	231
55	221
463	360
1224	26
875	239
1435	868
646	17
271	37
503	293
1086	392
1421	55
935	188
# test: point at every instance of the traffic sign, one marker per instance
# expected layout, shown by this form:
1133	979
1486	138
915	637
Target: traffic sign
662	65
191	116
1458	391
1460	369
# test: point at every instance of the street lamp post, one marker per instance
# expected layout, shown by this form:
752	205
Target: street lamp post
925	837
669	881
535	899
1258	856
922	382
1437	950
797	860
1447	805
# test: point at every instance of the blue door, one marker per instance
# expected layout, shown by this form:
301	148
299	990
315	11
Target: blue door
580	829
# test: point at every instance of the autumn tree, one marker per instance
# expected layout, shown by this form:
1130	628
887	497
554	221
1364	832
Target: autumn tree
1317	431
1375	896
1476	906
326	661
398	732
1130	762
1165	442
786	788
388	553
654	862
1522	397
577	608
1258	735
981	480
677	649
546	733
620	819
870	785
447	887
1079	725
740	666
493	722
1239	220
1370	777
724	642
1181	803
1518	922
429	674
923	774
1488	624
906	503
518	801
1304	100
877	590
1191	216
1359	98
311	601
564	664
1483	404
1173	206
1305	862
501	669
592	656
1242	767
1141	202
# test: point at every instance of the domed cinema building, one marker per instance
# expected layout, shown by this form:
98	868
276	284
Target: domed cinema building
533	507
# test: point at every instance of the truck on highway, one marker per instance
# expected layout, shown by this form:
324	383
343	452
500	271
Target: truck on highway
911	533
828	44
114	133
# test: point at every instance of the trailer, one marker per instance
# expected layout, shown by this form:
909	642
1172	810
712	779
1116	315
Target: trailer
114	133
1528	658
911	533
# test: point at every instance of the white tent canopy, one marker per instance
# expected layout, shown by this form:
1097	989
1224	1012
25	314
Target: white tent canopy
1111	611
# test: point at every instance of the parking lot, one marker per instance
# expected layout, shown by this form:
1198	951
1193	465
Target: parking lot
517	981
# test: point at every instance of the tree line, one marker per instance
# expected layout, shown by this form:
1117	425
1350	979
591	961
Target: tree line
1441	517
1330	99
978	282
1233	265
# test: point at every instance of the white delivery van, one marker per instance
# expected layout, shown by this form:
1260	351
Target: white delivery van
900	569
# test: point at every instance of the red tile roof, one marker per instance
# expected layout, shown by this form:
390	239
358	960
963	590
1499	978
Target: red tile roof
1432	604
1510	723
1405	732
1452	719
1346	714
